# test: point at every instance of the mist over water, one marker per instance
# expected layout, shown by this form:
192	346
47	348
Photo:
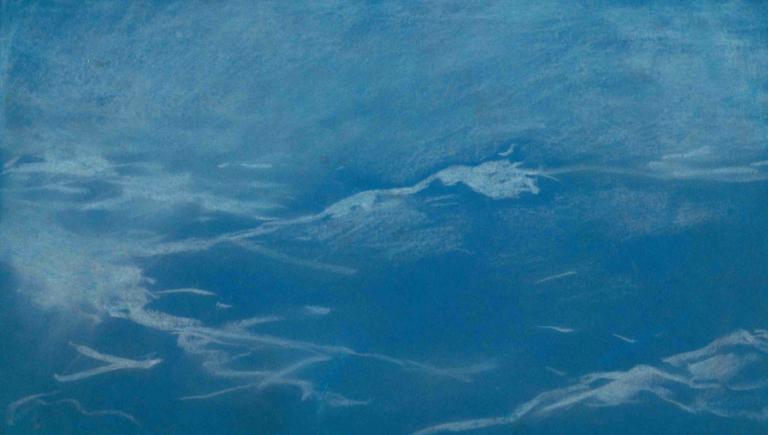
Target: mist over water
337	217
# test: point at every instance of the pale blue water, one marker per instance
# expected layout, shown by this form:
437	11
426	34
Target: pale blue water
342	217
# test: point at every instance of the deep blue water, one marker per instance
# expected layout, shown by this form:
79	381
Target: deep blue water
344	217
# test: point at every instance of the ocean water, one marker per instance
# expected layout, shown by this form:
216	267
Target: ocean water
338	217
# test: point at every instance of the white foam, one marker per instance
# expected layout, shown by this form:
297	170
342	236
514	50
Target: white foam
311	264
698	152
757	339
316	310
337	400
719	367
114	363
273	378
702	386
560	329
252	321
623	338
82	166
99	273
508	152
555	371
497	179
97	413
556	277
212	345
440	198
10	413
738	174
191	291
9	164
258	166
466	425
673	170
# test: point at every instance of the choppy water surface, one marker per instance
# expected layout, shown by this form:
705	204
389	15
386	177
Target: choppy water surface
337	217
